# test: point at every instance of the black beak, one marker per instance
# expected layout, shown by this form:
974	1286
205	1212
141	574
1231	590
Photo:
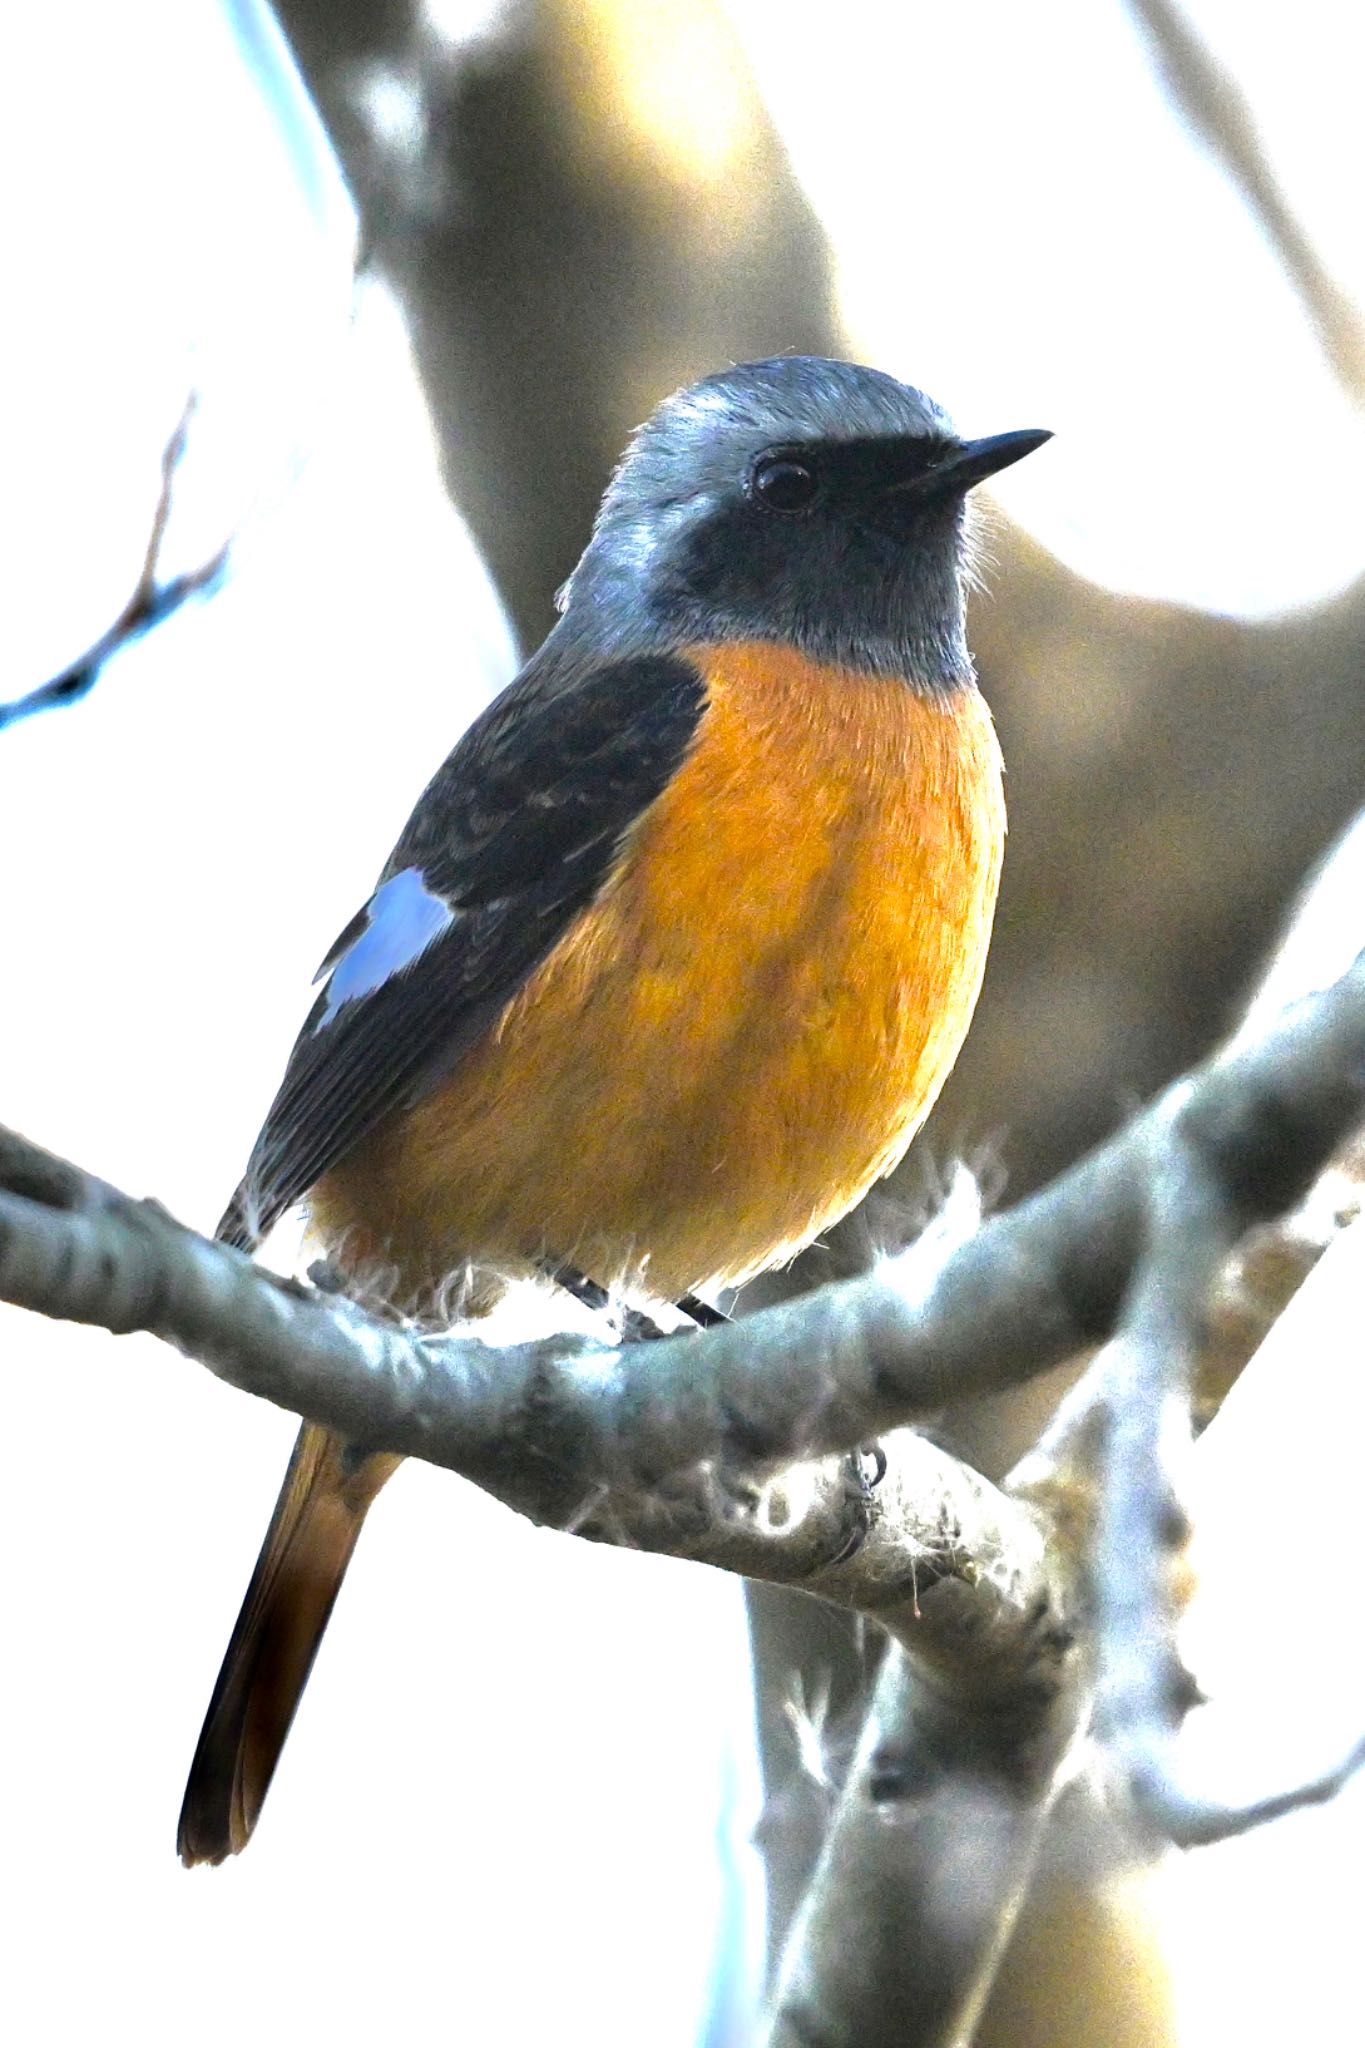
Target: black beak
972	462
977	460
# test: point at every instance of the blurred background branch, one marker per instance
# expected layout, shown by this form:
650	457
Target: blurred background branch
576	209
1221	116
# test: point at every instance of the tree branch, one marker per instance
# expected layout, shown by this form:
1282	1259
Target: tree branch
552	1426
674	1446
876	1535
925	1865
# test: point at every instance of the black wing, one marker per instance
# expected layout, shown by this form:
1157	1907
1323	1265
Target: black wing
512	838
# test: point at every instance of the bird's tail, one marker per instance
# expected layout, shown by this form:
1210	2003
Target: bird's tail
317	1518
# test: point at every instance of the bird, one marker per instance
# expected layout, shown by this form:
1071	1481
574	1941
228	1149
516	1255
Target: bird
677	948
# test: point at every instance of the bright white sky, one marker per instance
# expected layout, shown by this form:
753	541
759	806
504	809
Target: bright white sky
538	1743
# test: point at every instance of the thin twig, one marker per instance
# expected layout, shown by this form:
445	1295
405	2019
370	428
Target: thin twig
147	607
1113	1460
1144	1690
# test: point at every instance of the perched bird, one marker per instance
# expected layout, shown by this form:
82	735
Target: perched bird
678	946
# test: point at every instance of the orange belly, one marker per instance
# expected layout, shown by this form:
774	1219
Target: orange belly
747	1027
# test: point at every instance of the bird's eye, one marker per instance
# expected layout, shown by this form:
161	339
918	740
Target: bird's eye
781	484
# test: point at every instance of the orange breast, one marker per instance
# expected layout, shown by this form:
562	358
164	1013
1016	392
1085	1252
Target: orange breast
748	1026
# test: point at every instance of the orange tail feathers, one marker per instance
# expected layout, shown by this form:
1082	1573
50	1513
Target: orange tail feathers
318	1516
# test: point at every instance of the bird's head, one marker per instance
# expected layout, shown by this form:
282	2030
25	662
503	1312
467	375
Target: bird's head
805	501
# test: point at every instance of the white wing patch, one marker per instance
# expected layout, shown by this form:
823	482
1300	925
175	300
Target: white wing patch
403	918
